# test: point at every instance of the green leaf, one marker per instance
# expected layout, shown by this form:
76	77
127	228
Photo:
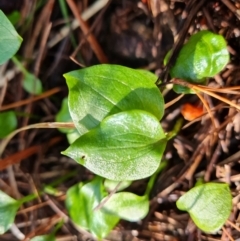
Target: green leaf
167	56
32	84
102	90
8	210
72	136
8	123
110	185
179	89
64	116
209	205
48	237
204	55
127	206
125	146
151	76
14	17
81	200
10	41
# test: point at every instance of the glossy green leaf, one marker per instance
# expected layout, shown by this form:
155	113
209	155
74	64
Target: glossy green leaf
48	237
102	90
125	146
8	210
127	206
10	41
209	205
151	76
8	123
204	55
110	185
32	84
81	200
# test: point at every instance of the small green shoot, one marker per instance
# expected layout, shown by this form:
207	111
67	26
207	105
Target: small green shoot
125	205
8	123
81	201
47	237
31	83
203	56
14	17
116	111
209	205
8	210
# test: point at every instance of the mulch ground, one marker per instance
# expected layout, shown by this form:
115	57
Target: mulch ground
137	34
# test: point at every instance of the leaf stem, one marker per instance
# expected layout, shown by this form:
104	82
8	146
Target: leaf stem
153	178
19	65
177	127
28	198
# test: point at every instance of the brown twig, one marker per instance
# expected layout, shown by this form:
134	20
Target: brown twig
91	38
30	100
210	167
19	156
207	91
231	7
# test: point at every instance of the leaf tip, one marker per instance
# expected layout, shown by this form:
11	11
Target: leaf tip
65	153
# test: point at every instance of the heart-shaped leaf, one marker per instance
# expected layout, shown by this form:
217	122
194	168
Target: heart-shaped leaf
81	201
127	206
204	55
209	205
10	41
102	90
8	123
125	146
8	209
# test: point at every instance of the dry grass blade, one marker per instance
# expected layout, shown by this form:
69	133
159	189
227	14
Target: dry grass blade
209	91
54	125
172	102
207	108
30	100
19	156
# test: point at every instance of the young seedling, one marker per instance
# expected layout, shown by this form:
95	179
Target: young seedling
116	112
